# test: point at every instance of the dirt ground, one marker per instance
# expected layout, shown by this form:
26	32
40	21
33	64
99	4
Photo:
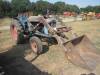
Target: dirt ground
19	59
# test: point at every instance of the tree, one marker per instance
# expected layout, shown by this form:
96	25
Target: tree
42	6
75	8
1	2
91	9
72	8
20	6
97	9
59	7
14	7
5	8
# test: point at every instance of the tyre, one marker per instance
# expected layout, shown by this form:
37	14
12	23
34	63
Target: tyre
16	33
36	45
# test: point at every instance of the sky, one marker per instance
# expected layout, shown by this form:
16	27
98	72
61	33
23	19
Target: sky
80	3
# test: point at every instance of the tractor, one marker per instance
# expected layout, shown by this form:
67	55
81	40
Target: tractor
37	29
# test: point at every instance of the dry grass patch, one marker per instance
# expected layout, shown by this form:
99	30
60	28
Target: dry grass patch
5	21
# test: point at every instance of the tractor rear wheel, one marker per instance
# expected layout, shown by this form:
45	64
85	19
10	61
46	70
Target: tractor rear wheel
36	45
16	33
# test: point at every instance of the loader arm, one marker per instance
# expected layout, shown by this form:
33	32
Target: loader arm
79	51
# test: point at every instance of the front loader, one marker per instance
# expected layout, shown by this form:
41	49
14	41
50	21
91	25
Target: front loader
80	51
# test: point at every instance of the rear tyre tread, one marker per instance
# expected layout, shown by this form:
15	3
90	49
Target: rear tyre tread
20	38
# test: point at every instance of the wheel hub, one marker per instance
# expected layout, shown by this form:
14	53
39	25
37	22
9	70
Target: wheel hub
34	46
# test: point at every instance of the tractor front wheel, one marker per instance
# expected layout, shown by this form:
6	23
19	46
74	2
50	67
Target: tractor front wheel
36	45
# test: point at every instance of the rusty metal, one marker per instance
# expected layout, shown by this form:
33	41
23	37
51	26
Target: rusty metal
63	29
81	52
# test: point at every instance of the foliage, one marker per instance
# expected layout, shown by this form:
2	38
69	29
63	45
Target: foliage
5	8
20	6
72	8
40	7
91	9
59	7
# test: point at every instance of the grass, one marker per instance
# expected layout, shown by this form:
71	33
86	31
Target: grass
5	40
5	21
5	37
54	60
89	28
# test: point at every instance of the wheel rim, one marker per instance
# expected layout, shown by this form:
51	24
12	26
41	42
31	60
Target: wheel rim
34	46
14	32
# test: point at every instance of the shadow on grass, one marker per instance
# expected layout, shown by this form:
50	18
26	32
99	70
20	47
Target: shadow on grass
45	49
14	63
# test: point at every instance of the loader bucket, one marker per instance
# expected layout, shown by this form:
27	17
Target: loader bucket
81	52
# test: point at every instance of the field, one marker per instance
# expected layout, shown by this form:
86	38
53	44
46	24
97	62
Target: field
53	61
5	21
